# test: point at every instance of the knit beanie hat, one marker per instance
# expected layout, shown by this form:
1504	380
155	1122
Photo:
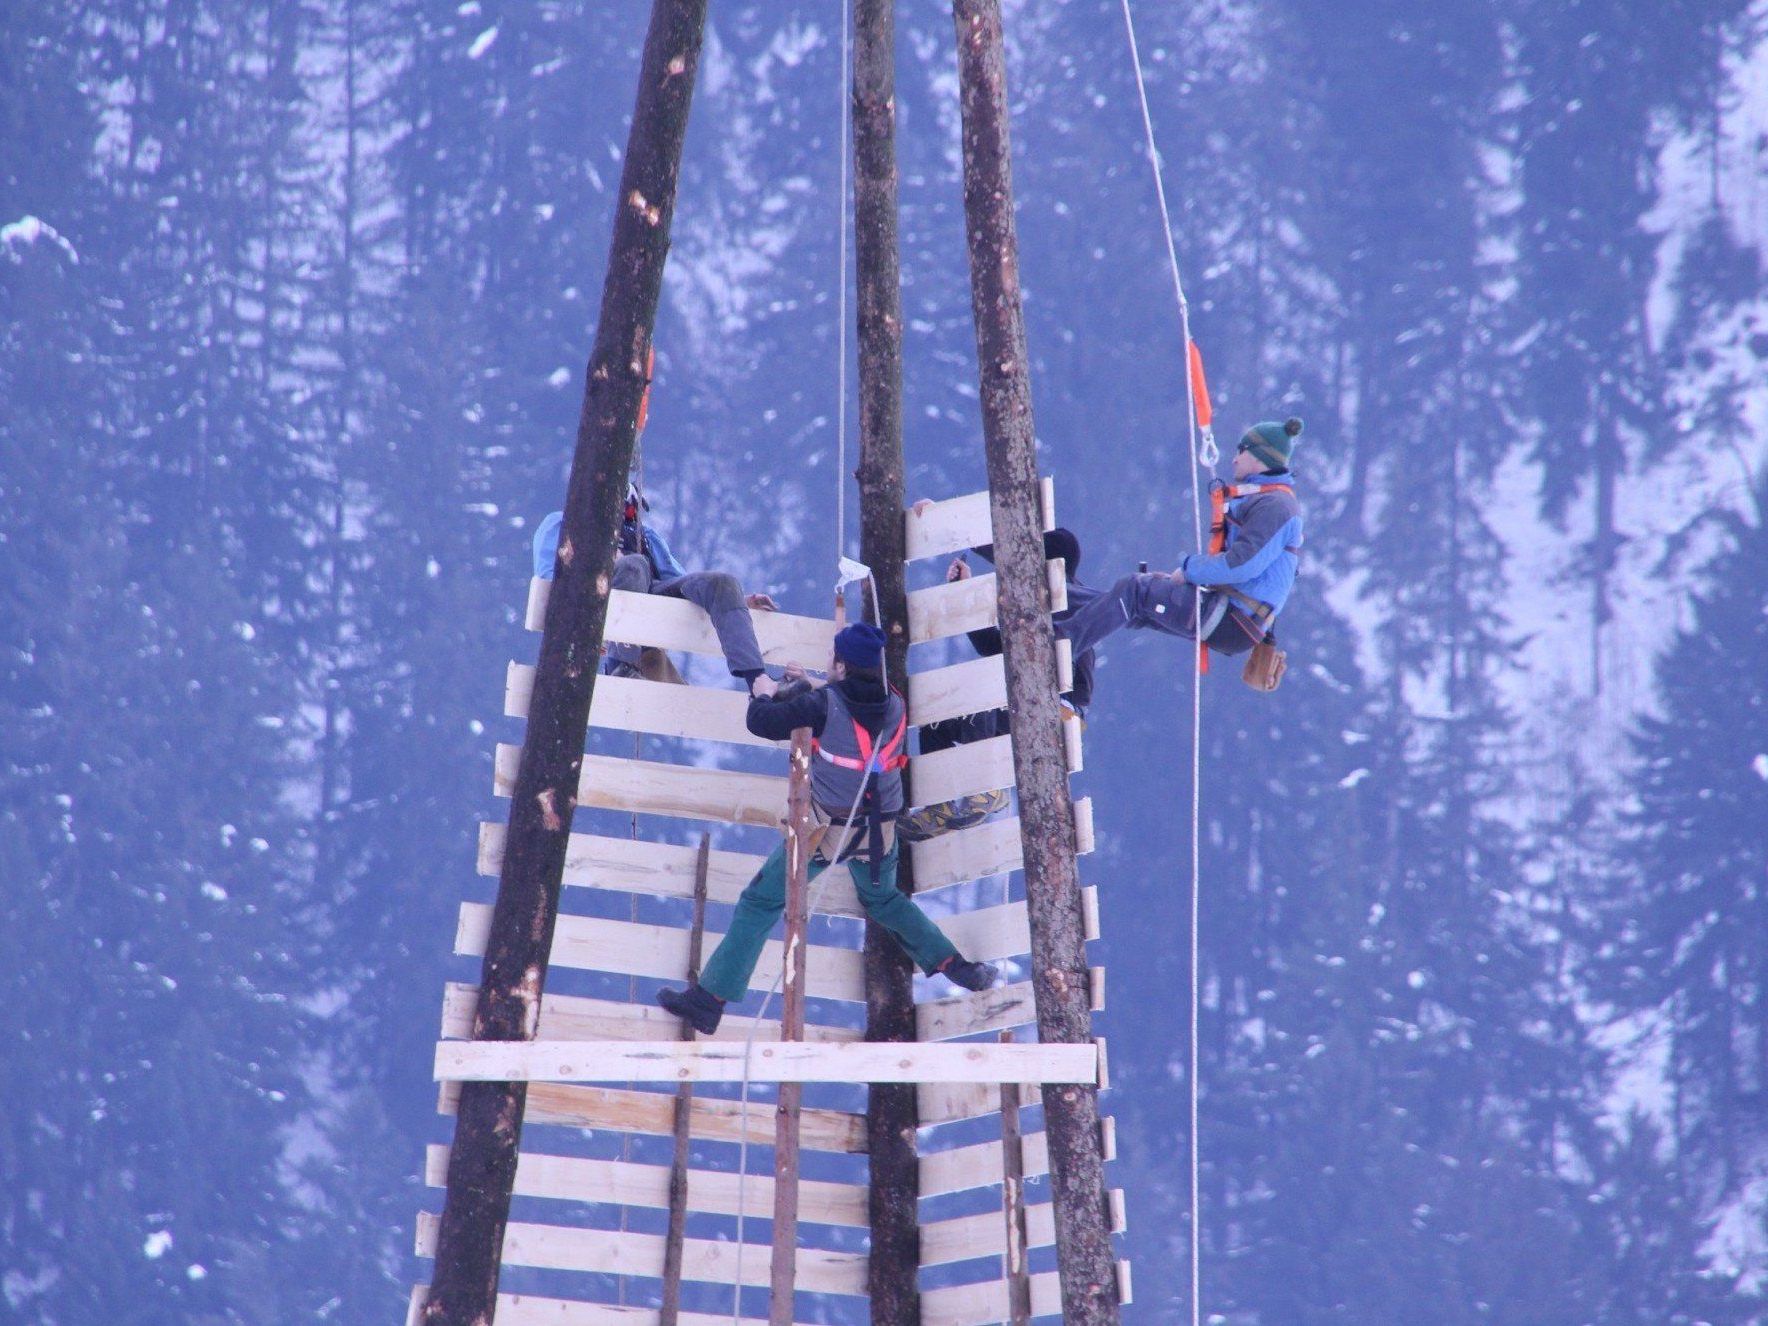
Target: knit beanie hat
1272	443
860	645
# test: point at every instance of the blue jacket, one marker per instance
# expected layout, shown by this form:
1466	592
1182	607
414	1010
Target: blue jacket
1264	540
546	549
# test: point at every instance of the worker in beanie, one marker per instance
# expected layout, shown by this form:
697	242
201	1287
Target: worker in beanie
1230	599
859	733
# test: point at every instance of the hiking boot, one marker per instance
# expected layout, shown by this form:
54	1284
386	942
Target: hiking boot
616	668
700	1009
976	976
950	816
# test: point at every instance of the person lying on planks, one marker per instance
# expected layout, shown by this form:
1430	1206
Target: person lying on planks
646	566
860	731
1241	584
948	816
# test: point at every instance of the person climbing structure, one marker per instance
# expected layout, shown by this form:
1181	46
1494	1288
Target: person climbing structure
860	732
646	566
1239	589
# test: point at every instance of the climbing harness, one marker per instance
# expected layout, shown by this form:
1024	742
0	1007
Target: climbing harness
1205	455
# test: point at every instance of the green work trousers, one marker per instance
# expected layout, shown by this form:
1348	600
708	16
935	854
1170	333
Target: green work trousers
758	908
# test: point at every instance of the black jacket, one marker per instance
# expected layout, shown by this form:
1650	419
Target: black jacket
776	719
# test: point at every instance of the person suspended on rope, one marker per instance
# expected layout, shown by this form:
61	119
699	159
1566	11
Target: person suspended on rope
861	733
646	566
1241	584
968	811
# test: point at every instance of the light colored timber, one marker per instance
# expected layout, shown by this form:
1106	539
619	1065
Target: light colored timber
970	1014
959	606
647	787
623	1183
671	623
575	1018
631	948
953	1102
972	687
655	708
988	849
653	1113
664	870
976	766
562	1248
985	1303
960	523
979	1165
1003	931
773	1061
534	1310
984	1235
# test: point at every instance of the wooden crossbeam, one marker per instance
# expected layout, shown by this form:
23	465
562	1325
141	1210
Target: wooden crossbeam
979	1164
960	606
783	1061
647	787
985	1303
535	1310
954	1102
984	1235
676	624
629	948
989	934
977	766
972	687
988	849
617	1252
959	523
653	1113
575	1018
664	870
625	1183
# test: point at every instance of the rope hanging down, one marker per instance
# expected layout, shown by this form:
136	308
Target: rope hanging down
1204	455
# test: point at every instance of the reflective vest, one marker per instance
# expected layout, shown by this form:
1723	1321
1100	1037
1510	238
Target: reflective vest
846	751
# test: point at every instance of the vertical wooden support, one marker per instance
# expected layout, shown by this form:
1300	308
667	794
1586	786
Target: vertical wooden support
892	1117
1046	813
1016	1264
488	1128
797	948
675	1236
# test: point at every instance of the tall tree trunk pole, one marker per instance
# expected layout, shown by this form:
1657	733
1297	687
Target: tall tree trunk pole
892	1115
481	1167
1058	945
784	1269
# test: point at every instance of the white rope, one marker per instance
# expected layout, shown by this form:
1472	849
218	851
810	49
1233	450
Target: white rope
1203	458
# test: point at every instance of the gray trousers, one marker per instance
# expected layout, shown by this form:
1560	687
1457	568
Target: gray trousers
714	592
1154	603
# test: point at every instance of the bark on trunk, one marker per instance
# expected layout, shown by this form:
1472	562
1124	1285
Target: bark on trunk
481	1169
1071	1113
892	1116
675	1235
791	1094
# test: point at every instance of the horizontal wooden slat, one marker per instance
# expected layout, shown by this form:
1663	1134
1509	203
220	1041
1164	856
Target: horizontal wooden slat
974	686
970	1014
629	948
989	934
977	766
534	1310
652	1113
782	1061
672	623
664	870
960	522
952	1102
960	606
979	1165
985	1234
988	849
624	1252
984	1303
647	787
575	1018
623	1183
654	708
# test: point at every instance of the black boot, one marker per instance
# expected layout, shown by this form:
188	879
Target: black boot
971	975
700	1009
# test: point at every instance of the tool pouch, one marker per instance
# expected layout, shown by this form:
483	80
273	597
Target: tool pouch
1265	666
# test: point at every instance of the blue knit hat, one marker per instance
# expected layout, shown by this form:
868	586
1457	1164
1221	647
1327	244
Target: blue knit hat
860	645
1272	443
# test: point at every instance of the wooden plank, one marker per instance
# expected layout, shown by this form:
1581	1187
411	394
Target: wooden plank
979	1165
989	934
972	687
613	1251
784	1061
960	606
655	708
666	870
968	1014
577	1018
628	948
646	787
652	1113
985	1303
977	766
676	624
952	1102
984	1234
958	523
988	849
535	1310
626	1183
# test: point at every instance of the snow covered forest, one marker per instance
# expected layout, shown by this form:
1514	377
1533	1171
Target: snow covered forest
295	298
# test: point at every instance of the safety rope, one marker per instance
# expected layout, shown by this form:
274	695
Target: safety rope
1204	458
846	97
